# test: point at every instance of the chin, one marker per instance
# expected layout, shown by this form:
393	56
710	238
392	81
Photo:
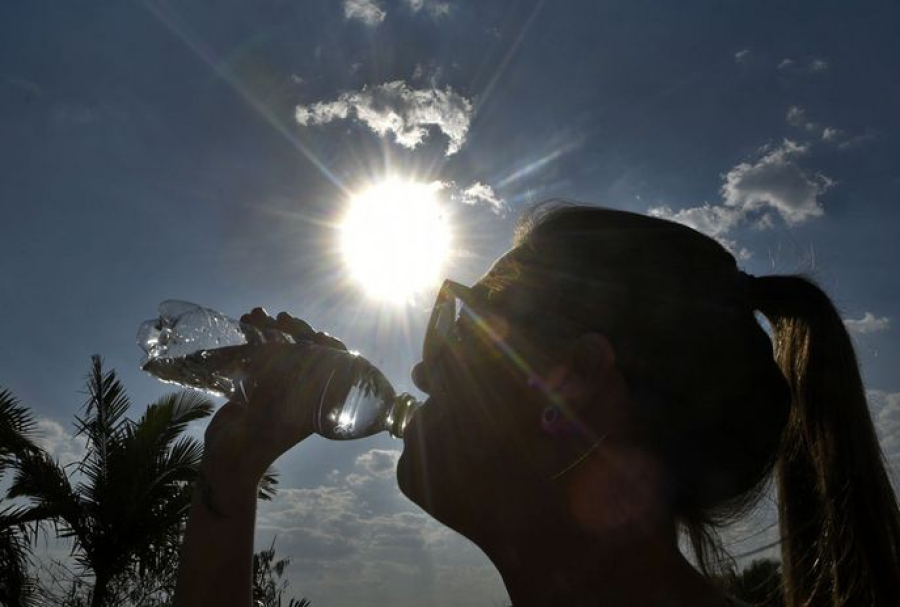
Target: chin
405	478
424	476
415	478
448	491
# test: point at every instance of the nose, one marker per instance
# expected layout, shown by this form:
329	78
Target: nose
420	377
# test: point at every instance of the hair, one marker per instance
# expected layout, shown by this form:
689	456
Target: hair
712	401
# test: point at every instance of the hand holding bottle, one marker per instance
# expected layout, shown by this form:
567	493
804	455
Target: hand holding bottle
274	409
261	359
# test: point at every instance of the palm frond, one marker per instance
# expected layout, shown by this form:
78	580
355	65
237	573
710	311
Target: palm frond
181	462
24	519
163	490
45	483
17	427
149	467
105	407
165	420
16	586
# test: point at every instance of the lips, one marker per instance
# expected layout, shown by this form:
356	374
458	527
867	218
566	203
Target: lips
432	416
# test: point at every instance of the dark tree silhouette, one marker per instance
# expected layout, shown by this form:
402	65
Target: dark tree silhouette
126	513
17	588
268	583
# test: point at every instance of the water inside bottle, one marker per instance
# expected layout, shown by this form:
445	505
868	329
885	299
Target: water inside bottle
215	371
357	400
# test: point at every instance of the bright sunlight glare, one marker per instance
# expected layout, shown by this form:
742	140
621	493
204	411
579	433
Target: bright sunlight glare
395	239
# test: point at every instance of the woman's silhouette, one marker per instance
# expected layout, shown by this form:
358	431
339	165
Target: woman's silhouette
604	386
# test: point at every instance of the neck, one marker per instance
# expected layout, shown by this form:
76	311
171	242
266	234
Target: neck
631	569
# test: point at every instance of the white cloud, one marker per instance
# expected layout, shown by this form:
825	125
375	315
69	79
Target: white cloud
869	323
430	73
396	108
818	65
379	463
59	444
776	183
475	194
482	193
814	65
831	134
435	8
856	141
713	220
885	408
754	191
359	541
366	11
796	116
742	56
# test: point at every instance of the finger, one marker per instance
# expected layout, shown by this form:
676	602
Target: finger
259	318
324	339
293	326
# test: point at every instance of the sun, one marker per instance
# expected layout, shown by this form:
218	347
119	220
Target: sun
395	239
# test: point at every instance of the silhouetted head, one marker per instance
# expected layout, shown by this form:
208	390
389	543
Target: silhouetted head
610	366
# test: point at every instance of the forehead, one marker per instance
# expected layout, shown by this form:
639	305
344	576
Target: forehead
504	284
502	274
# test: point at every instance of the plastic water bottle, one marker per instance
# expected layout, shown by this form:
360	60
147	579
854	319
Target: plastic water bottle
200	348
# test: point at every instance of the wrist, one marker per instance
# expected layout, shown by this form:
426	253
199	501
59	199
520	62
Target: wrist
225	493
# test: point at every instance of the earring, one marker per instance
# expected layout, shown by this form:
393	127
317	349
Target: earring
555	421
550	417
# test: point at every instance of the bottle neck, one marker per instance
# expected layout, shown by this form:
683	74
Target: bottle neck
403	408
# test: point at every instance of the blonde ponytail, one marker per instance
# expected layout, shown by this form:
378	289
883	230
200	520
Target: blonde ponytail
839	516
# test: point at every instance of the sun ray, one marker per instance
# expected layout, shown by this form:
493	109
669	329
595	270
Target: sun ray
540	163
169	18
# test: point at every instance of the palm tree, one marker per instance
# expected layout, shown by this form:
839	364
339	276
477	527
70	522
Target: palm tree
126	514
16	438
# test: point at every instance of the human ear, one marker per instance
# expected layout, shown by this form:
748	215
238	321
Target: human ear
587	368
591	375
593	355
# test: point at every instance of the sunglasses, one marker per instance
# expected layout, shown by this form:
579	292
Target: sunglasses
458	306
455	303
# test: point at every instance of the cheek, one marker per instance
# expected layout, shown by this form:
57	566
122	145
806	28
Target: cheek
451	457
492	399
479	436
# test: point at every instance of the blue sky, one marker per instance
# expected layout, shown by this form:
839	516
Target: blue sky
203	151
